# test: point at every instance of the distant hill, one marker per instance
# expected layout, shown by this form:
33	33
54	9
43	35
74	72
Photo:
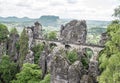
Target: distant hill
49	21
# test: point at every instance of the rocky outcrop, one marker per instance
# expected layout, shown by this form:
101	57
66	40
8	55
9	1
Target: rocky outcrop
3	49
59	70
43	63
30	37
75	72
93	70
103	39
74	32
13	46
64	72
29	57
35	31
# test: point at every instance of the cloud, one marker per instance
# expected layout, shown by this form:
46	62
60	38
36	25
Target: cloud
72	1
78	9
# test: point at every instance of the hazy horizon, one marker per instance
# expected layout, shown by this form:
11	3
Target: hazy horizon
70	9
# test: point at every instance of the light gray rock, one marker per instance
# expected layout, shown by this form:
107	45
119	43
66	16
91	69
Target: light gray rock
13	50
74	31
75	72
37	30
93	70
59	69
29	57
2	49
103	39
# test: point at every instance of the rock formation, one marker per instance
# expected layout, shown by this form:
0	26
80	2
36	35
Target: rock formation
63	72
74	72
29	57
3	48
13	47
103	39
37	30
74	32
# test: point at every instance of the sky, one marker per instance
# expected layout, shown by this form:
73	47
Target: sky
76	9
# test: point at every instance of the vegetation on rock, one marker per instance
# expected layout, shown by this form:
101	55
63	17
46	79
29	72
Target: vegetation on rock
52	35
37	49
72	56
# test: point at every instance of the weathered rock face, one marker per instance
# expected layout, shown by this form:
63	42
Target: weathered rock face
93	70
2	48
74	31
59	70
104	38
37	30
64	72
13	50
30	37
74	72
43	63
29	57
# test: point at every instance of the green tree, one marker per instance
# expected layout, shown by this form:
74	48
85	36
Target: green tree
37	49
117	12
23	46
46	79
8	69
30	73
13	31
52	35
110	57
3	33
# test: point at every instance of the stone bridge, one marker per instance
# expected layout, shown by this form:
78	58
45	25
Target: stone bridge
95	48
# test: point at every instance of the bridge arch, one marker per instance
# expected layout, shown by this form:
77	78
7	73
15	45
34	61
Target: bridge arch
88	52
67	46
52	44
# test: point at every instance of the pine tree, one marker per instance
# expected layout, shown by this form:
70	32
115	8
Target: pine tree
23	47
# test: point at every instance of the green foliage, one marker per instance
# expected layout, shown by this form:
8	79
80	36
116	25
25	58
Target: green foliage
23	46
117	12
110	56
3	33
30	73
52	35
85	62
37	51
72	56
8	69
46	79
13	31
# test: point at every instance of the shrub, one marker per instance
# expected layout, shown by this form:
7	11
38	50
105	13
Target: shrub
72	56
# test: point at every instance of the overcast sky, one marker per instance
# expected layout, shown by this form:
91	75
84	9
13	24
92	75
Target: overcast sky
78	9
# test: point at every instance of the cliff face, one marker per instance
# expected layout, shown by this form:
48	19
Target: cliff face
13	49
74	32
62	71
